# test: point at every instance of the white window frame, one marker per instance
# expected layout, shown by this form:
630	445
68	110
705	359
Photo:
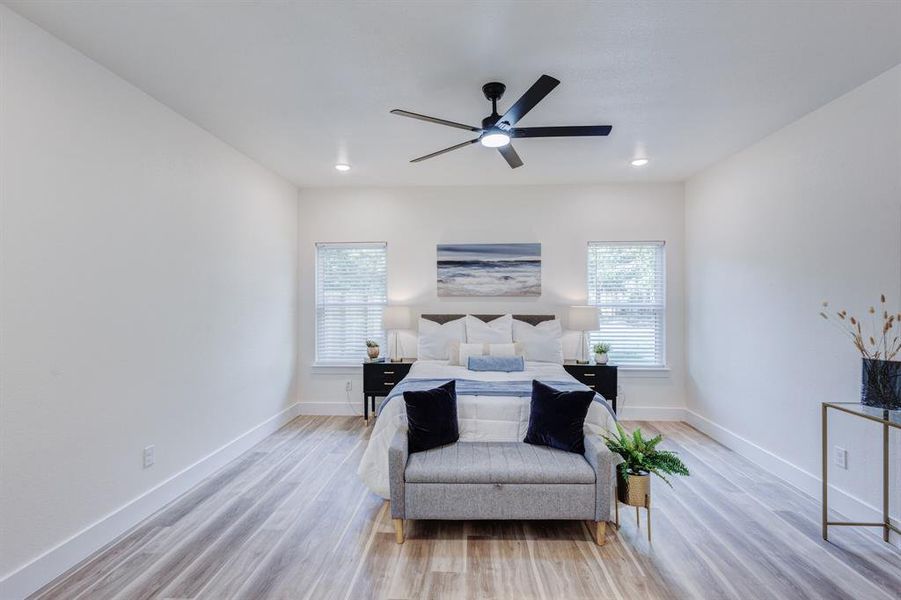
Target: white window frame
345	362
662	365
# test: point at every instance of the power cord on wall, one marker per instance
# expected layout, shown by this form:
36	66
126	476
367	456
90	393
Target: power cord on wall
355	410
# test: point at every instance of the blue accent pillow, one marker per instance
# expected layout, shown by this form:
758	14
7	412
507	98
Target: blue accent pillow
507	364
557	419
432	417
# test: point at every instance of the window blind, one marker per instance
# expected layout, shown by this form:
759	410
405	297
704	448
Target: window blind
626	281
351	292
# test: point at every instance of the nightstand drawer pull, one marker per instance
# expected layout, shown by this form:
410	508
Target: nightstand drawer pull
587	374
388	372
591	386
389	383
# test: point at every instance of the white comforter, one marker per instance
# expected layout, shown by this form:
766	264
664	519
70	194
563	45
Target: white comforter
481	418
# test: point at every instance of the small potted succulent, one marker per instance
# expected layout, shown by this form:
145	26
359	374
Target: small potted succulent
600	353
640	459
372	349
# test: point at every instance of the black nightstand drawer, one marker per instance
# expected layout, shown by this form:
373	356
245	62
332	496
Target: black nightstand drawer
379	378
600	378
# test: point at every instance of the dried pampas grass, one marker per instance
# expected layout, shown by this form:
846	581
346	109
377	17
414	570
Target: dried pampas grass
881	344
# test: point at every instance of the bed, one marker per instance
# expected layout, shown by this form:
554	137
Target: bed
491	406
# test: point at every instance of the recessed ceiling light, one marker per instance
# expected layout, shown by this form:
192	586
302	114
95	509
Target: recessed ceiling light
342	167
495	139
639	162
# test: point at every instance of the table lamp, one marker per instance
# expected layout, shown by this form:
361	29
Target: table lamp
394	318
583	319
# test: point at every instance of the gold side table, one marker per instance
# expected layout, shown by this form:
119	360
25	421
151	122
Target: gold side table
887	418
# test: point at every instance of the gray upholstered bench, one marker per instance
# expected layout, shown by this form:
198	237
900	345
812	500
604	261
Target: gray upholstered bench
501	480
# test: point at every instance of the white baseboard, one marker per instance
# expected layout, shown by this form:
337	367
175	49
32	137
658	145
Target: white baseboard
338	409
56	561
839	500
651	413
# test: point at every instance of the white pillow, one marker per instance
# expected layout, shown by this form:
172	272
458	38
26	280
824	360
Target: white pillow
540	342
504	349
434	339
498	331
458	354
467	350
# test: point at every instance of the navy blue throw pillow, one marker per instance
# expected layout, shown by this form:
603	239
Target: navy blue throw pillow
432	417
558	418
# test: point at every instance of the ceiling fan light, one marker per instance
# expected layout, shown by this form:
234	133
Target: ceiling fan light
639	162
495	139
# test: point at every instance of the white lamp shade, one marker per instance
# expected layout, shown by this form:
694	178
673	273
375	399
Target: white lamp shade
584	318
396	317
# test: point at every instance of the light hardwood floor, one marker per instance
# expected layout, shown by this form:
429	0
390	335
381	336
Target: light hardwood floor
290	519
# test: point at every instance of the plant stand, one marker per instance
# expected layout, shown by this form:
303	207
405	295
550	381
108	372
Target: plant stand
636	492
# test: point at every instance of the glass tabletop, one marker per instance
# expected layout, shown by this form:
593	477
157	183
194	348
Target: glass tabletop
892	417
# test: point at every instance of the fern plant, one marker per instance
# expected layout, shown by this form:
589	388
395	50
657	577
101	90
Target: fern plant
640	456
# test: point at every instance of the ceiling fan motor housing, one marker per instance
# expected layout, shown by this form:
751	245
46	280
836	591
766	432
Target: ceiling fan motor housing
489	121
493	90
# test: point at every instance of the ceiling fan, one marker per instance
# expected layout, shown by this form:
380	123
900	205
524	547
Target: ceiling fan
497	130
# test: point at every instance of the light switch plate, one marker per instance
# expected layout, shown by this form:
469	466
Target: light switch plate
149	456
840	457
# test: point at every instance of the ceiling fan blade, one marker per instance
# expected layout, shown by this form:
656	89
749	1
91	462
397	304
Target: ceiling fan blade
527	102
413	115
454	147
577	130
510	156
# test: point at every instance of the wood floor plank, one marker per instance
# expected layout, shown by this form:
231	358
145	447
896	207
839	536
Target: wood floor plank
99	565
290	519
193	508
373	578
317	547
768	534
500	563
885	574
307	477
305	536
349	550
777	495
269	493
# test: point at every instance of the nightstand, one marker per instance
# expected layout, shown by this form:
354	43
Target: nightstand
600	378
379	378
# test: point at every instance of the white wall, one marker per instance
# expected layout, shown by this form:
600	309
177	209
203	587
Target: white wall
811	213
563	218
149	277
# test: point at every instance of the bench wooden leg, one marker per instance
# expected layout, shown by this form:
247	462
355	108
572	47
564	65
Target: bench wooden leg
399	530
600	532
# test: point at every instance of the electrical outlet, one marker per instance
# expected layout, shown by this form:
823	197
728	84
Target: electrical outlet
149	456
840	457
348	386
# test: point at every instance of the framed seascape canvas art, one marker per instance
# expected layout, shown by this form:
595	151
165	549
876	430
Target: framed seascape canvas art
489	270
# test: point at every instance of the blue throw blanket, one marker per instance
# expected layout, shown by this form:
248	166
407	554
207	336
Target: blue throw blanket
471	387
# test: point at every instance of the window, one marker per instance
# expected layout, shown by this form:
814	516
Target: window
626	282
351	292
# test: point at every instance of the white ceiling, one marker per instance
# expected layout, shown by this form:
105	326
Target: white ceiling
300	86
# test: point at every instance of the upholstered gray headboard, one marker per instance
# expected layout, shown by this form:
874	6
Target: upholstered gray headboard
530	319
